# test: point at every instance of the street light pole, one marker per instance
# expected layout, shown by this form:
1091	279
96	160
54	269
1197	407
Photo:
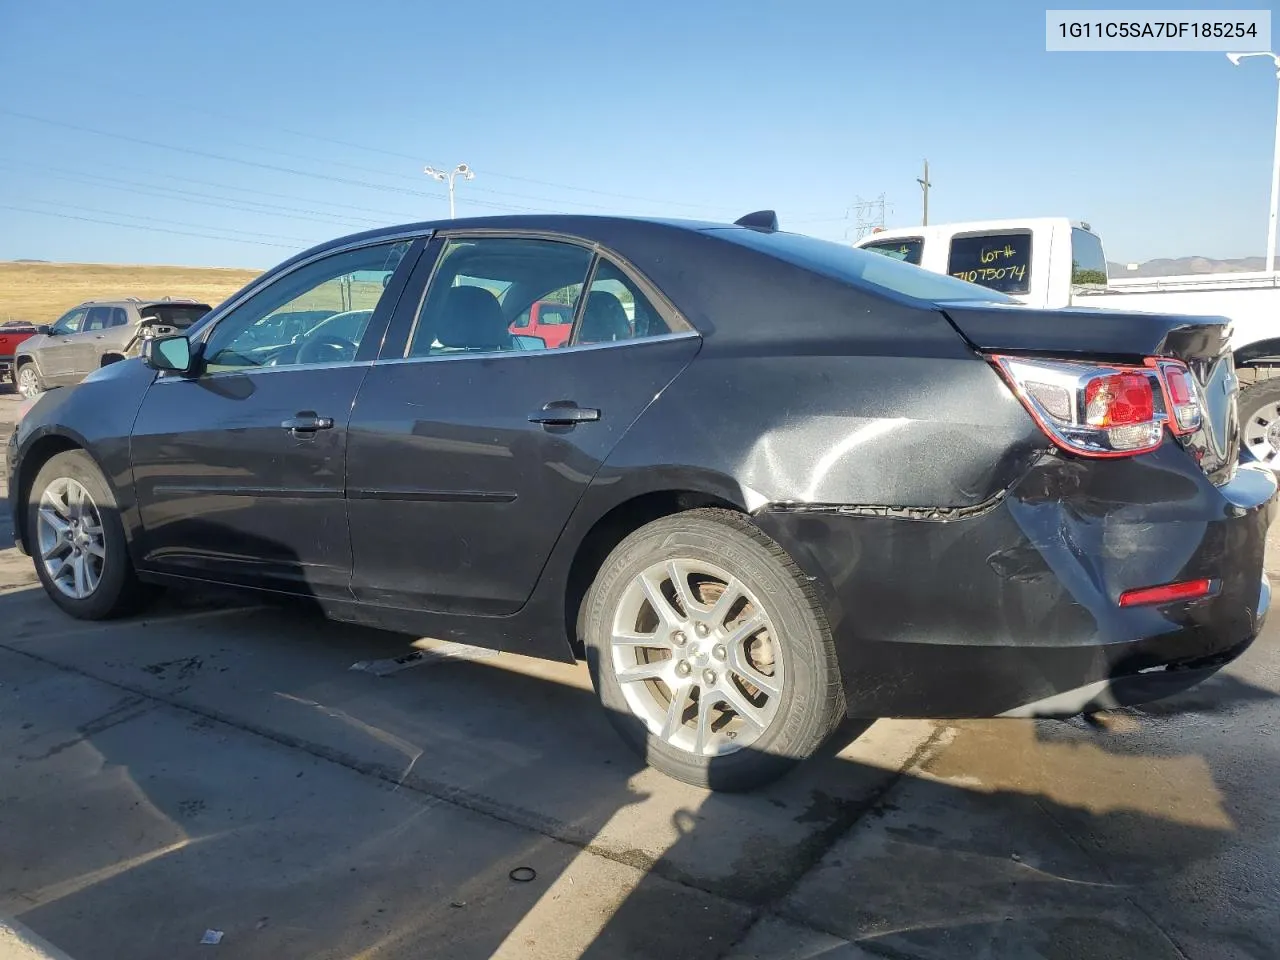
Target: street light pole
1235	59
461	170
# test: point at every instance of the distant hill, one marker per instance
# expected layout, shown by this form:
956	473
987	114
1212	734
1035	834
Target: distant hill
40	292
1166	267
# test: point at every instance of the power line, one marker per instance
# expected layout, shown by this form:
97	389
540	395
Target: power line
139	226
250	206
259	165
176	223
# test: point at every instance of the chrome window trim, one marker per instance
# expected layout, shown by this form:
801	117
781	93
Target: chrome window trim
550	352
218	314
170	377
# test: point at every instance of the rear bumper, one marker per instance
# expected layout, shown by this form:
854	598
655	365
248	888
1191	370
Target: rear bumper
1013	609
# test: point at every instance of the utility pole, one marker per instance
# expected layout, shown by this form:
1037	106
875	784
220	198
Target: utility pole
924	186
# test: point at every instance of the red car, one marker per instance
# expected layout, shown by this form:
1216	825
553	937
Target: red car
12	333
547	320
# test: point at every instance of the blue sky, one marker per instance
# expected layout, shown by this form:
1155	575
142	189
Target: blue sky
322	114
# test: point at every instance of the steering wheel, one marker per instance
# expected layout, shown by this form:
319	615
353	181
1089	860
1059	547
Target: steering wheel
326	348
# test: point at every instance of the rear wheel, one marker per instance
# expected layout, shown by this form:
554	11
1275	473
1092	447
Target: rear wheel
709	651
28	380
77	540
1260	421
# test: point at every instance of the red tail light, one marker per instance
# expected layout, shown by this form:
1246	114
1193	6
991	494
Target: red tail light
1104	410
1186	590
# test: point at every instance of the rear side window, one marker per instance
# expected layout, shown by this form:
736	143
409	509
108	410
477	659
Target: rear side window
118	317
1000	261
481	286
908	249
99	319
1088	263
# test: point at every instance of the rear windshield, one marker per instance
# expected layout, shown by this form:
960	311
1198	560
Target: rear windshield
861	267
172	315
1001	261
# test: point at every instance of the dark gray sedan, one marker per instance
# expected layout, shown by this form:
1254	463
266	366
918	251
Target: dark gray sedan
766	481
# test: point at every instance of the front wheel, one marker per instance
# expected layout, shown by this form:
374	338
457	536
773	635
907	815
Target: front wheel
77	540
1260	421
710	652
28	381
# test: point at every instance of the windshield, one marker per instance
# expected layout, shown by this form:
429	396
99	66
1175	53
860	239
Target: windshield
862	268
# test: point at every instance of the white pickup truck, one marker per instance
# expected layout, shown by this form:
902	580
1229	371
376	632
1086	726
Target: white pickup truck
1056	262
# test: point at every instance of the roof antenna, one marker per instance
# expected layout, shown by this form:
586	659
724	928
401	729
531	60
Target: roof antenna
764	220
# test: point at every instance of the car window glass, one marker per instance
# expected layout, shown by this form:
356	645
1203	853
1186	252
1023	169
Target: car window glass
316	314
70	322
99	319
1000	261
119	317
1088	263
482	287
908	250
616	309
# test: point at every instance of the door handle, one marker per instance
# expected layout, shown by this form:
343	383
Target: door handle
564	413
307	423
101	336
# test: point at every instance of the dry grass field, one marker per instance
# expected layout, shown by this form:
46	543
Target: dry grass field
42	292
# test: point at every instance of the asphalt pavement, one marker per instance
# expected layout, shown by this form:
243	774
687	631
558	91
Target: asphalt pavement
289	787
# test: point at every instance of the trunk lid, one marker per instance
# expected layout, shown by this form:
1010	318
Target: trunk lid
1203	343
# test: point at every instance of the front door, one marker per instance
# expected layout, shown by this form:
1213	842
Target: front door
470	449
239	471
55	356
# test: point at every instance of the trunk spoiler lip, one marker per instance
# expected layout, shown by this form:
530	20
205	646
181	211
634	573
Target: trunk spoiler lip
1079	331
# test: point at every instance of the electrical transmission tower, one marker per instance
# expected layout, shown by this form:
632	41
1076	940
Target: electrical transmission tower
867	216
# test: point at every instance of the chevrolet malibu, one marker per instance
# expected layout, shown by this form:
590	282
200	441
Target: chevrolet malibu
767	481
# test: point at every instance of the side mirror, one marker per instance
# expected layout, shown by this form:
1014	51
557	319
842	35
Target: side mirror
168	353
526	342
43	329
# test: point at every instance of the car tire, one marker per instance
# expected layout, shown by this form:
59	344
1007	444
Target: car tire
26	380
69	492
706	657
1260	421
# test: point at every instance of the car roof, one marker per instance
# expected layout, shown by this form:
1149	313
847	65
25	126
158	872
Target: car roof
135	302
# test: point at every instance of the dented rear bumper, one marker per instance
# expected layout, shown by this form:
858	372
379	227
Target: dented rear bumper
1011	608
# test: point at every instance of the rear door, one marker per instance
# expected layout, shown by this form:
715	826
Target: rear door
469	448
102	328
239	472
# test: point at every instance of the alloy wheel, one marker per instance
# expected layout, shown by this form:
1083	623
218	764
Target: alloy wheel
696	656
28	382
1262	433
69	535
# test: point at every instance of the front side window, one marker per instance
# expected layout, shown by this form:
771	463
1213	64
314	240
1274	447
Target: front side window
616	309
482	287
69	322
908	250
318	313
1000	261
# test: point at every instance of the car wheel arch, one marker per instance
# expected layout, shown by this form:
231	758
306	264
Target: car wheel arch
613	526
41	451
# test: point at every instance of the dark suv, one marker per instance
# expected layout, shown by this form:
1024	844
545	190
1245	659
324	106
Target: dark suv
94	334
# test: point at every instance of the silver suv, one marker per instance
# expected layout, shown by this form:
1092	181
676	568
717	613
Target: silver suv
94	334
